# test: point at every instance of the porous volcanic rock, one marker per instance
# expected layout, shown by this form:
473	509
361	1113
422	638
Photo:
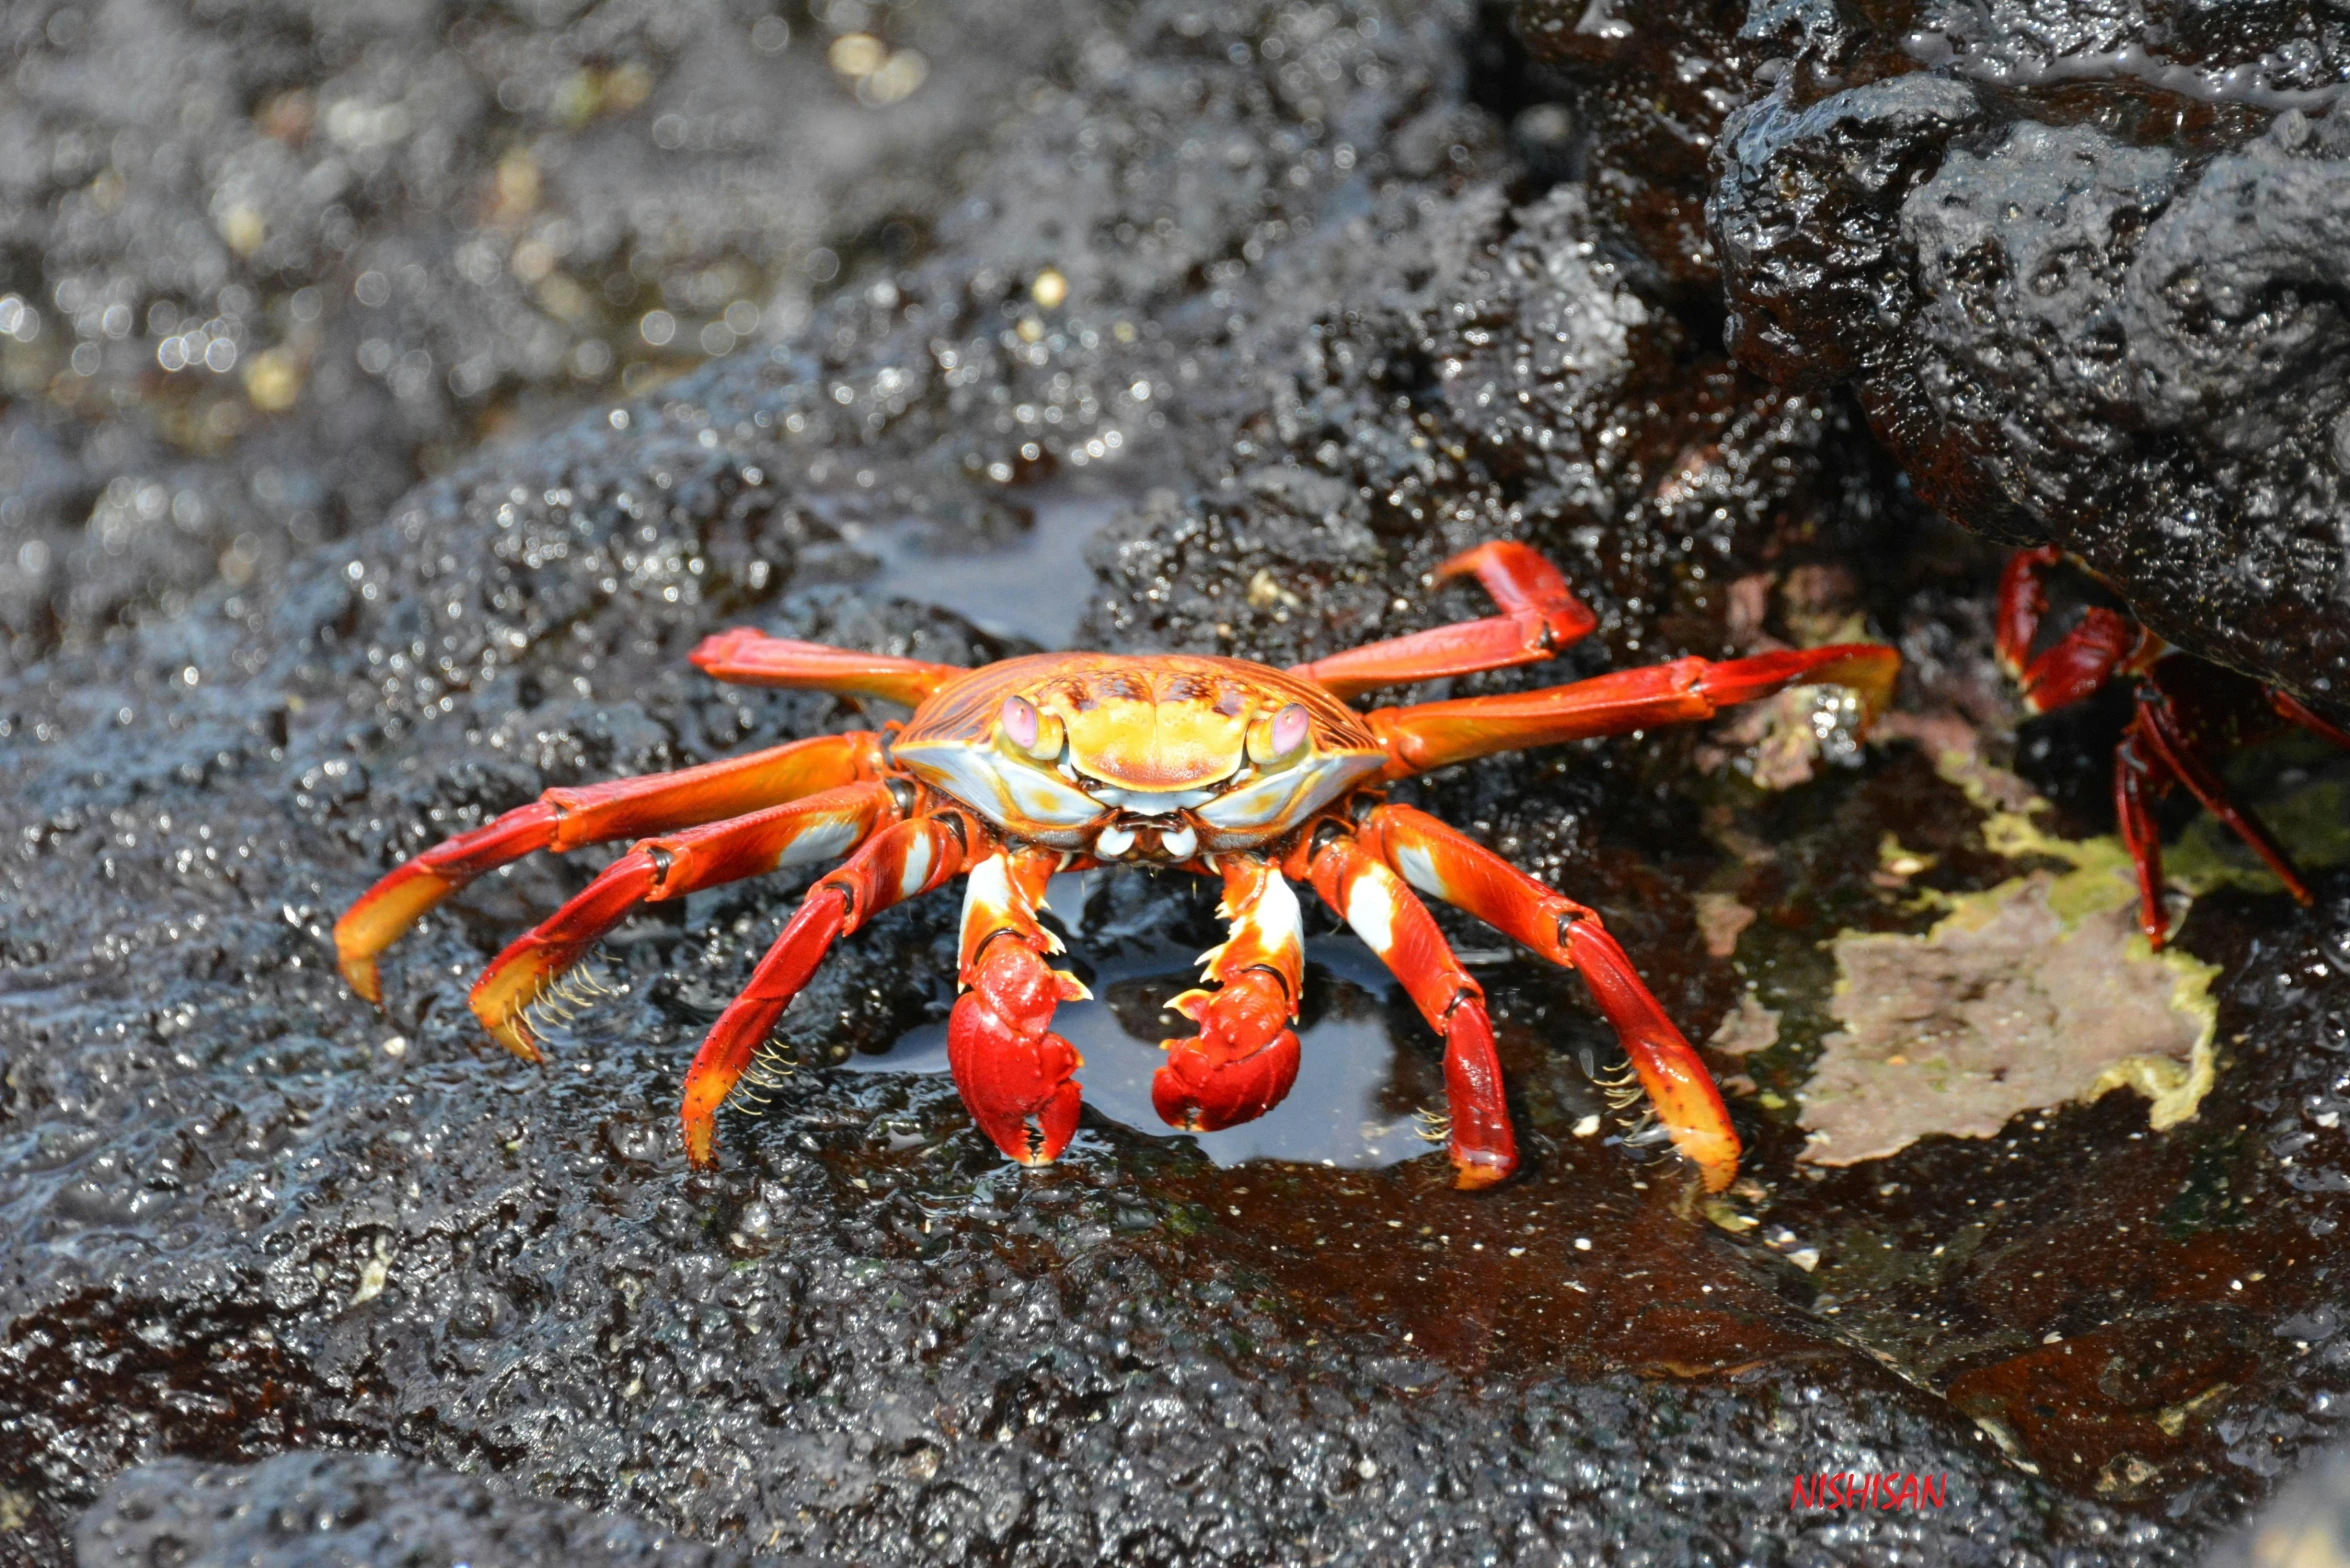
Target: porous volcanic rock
324	1507
1629	100
262	269
2084	266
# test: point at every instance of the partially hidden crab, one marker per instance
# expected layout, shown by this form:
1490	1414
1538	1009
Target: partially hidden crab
1010	773
2183	708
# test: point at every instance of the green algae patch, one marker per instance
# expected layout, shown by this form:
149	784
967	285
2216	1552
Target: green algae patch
2034	993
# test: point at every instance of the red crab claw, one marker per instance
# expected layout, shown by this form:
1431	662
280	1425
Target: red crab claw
1013	1071
1240	1065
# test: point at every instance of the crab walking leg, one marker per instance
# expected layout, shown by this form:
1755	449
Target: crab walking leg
823	827
1244	1059
2137	778
2293	711
1540	616
1434	734
899	862
1014	1073
1372	899
744	657
1445	863
2167	745
563	819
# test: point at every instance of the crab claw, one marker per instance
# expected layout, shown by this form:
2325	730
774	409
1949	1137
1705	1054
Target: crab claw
1240	1065
1014	1073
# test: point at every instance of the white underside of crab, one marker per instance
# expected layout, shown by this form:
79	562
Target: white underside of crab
1143	827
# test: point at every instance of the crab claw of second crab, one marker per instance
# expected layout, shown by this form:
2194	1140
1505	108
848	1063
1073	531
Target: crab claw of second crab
1014	1073
1240	1065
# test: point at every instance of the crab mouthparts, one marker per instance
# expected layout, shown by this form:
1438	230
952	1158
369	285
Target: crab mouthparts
1131	838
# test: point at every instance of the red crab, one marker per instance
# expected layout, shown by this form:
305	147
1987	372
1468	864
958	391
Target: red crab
2184	705
1062	761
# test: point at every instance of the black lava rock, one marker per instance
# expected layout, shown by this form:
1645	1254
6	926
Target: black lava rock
2083	267
262	270
321	1508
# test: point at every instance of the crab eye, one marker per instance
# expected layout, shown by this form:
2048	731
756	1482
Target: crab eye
1019	721
1278	738
1038	734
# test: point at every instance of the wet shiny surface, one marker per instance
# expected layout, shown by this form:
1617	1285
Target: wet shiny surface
1031	586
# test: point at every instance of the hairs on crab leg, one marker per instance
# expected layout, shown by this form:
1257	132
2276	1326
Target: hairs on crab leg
897	863
1540	617
1244	1059
1434	734
1015	1075
821	827
2137	778
1371	898
1446	863
564	819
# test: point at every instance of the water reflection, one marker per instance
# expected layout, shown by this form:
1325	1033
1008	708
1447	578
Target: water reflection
1033	585
1346	1110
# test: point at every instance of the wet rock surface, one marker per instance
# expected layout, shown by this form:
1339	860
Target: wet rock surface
265	268
1289	295
324	1507
2082	265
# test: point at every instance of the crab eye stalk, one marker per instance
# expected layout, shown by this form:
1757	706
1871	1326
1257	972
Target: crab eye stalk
1280	737
1038	734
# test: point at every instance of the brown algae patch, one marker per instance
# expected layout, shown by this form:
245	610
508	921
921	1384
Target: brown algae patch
1748	1028
2037	992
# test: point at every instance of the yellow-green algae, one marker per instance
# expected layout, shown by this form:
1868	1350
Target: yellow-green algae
2038	991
